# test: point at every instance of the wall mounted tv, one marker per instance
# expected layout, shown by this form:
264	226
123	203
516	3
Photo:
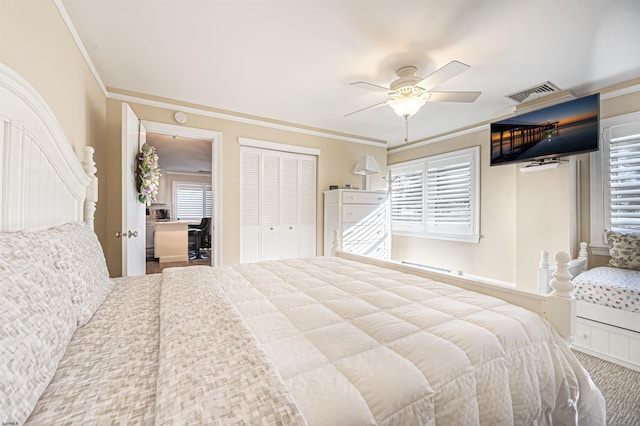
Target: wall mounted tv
546	134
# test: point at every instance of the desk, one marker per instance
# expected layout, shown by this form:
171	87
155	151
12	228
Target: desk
171	240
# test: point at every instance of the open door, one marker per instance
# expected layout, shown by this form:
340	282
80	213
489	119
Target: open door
133	211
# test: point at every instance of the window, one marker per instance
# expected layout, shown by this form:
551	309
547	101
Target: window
192	201
615	180
437	197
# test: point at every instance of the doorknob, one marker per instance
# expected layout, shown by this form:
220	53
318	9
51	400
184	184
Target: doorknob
129	234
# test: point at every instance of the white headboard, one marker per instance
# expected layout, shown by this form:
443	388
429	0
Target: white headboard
42	182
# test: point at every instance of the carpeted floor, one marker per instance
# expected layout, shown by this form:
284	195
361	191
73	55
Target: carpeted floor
620	387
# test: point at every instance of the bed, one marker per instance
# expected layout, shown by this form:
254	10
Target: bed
608	300
327	340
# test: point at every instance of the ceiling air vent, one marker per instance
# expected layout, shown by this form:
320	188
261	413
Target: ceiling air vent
539	90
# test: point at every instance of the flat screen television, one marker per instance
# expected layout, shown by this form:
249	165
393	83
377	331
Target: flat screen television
548	133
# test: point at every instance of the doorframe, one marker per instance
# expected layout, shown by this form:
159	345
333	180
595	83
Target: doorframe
216	173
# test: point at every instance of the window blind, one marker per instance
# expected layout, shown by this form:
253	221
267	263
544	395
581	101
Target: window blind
449	195
193	201
624	172
438	196
407	196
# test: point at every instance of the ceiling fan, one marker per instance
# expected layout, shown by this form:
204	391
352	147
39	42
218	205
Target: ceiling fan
410	92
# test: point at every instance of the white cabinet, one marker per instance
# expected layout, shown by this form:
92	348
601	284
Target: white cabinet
277	204
362	220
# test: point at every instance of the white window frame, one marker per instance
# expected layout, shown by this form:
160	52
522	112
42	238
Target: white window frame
600	193
425	226
202	186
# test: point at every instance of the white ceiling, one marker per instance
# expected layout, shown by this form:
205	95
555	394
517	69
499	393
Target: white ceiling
178	154
293	60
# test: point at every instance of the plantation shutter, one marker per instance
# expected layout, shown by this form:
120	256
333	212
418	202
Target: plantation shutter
438	196
193	201
449	195
624	161
407	197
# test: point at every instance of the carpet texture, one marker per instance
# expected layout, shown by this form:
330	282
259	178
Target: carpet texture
620	387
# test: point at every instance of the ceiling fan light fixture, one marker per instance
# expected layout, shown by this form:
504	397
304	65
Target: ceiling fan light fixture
407	106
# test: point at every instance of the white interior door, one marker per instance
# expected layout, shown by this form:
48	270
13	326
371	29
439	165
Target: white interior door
133	212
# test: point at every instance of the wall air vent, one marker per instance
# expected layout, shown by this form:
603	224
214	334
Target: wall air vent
540	90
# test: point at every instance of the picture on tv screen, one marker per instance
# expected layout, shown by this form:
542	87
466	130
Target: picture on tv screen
556	131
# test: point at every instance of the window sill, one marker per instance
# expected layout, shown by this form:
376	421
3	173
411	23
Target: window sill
599	250
447	237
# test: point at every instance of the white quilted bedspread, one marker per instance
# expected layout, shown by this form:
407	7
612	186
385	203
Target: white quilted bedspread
358	344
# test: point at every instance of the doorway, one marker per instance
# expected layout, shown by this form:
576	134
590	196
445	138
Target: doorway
188	158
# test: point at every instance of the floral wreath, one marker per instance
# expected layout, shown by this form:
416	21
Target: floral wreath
148	174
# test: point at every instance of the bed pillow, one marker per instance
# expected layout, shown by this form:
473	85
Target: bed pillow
624	249
84	264
37	321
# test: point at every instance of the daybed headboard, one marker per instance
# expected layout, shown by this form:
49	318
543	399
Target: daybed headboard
42	182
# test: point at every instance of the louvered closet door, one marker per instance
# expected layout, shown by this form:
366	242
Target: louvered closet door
250	215
290	226
271	198
278	204
307	206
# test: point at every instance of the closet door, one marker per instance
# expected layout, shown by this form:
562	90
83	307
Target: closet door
271	199
250	204
307	206
278	204
290	206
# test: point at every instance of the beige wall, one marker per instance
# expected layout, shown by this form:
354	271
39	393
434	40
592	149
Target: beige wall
498	223
335	164
520	213
35	43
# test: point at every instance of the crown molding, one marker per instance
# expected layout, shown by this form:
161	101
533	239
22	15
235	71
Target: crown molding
83	51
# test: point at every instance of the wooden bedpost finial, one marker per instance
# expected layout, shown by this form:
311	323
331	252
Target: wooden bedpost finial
544	258
89	166
561	282
336	246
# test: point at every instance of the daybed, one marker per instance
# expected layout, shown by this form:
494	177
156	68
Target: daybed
608	301
328	340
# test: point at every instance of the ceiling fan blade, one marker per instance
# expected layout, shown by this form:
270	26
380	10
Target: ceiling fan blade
369	86
453	96
369	107
443	74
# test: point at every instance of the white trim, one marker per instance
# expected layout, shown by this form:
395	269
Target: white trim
216	174
252	121
439	139
597	181
83	51
620	92
274	146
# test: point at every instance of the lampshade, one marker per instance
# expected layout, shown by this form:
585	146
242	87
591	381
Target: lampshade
366	166
407	106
